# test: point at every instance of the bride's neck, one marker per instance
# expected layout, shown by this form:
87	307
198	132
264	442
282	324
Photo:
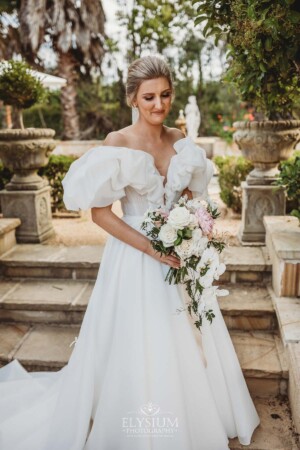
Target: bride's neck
149	131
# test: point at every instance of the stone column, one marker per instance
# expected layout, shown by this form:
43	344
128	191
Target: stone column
27	195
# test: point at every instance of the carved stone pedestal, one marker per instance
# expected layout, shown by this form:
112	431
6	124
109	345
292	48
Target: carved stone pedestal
259	201
264	143
27	195
33	208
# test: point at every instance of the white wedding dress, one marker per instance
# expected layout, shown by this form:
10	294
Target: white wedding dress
138	368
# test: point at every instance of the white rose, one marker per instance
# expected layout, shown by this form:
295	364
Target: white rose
194	222
197	234
179	217
167	234
195	203
185	249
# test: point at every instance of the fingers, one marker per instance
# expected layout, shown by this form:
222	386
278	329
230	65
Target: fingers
172	261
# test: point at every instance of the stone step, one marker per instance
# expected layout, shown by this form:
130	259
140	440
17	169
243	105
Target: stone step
8	228
244	264
64	302
276	429
47	348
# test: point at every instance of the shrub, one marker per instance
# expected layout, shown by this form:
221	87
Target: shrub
19	88
55	171
5	176
289	178
232	171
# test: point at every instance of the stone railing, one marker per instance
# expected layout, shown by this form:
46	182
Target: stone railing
283	244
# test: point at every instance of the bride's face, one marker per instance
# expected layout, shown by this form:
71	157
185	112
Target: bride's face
153	100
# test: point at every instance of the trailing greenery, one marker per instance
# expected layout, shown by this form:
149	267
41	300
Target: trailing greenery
55	171
19	88
264	50
232	171
289	178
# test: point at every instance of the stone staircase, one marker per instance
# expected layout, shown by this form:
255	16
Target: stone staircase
44	292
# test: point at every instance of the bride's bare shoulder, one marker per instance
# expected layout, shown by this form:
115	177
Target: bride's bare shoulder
118	138
174	134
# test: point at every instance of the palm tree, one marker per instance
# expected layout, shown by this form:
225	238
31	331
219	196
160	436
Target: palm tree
75	30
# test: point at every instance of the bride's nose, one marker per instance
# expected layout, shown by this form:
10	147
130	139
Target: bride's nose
158	103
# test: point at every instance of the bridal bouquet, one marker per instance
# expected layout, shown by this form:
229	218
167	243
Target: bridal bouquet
186	231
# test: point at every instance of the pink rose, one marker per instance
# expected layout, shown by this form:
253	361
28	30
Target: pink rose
205	220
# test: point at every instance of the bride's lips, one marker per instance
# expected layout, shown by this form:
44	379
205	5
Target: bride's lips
158	112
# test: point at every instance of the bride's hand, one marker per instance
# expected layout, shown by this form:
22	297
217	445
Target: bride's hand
170	260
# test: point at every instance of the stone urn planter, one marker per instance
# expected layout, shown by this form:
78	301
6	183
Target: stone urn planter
27	195
265	144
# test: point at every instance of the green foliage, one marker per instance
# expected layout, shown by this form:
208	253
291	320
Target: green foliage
152	24
18	87
46	115
5	175
55	171
264	45
102	108
289	178
232	171
220	107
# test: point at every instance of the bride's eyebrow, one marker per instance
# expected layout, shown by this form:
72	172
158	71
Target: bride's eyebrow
152	93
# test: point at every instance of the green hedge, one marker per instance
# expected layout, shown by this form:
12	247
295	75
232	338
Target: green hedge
232	171
55	171
5	175
289	178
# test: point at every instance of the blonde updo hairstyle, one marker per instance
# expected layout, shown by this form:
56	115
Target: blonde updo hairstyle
146	68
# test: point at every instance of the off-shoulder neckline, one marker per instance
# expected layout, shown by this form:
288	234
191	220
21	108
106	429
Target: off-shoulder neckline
152	157
186	138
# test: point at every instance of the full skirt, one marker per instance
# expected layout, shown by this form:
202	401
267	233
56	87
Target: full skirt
140	376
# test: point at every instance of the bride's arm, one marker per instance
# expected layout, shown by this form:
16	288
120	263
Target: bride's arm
110	222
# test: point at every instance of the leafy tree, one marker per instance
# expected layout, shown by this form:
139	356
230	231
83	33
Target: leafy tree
10	42
75	31
153	24
264	50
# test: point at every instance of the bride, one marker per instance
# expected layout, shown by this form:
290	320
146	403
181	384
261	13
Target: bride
140	376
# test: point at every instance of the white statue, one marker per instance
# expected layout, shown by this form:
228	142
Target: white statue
193	117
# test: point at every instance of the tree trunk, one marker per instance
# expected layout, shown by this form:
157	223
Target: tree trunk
67	69
17	118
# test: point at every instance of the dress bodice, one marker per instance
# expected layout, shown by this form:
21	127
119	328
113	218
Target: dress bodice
105	174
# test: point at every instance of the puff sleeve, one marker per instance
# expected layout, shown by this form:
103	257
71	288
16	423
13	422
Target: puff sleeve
193	170
100	176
